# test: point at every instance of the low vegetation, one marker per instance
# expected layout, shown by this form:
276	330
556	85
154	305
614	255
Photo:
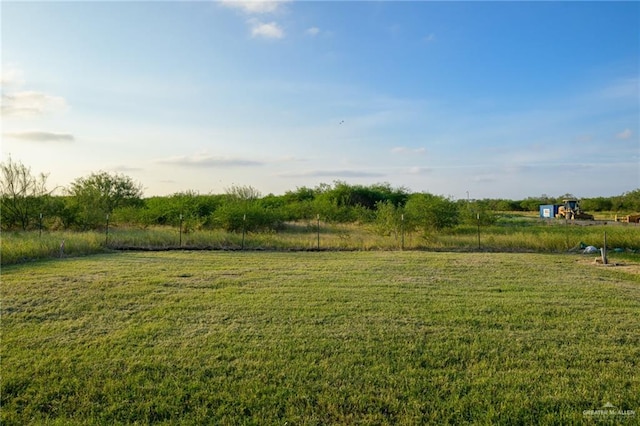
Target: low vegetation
383	337
529	236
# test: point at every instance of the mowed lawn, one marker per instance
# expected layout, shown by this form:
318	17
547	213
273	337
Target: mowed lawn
319	338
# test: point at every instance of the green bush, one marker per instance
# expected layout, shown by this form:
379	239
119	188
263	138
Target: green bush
428	213
250	217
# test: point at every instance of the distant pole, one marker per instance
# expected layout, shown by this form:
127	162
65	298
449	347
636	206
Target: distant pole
402	231
40	226
180	229
106	232
244	228
318	225
604	249
478	217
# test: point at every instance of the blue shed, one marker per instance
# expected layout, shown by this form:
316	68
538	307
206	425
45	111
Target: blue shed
548	211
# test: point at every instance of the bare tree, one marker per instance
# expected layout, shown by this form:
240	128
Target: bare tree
21	193
243	193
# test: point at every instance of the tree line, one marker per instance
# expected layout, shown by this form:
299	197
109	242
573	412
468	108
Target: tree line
89	202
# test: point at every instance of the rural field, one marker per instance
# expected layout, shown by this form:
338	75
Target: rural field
311	338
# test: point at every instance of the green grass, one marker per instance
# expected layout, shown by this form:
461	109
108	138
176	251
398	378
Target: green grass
20	247
318	338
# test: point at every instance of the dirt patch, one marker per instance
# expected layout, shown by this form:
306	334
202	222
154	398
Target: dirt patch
629	268
633	268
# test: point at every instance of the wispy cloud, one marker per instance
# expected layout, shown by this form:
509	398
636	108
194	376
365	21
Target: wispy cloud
254	6
429	38
290	159
313	31
270	30
405	150
31	104
622	88
488	178
419	171
11	77
36	136
625	134
126	169
209	161
394	29
332	174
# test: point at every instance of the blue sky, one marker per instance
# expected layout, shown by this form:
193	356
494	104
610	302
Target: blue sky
497	99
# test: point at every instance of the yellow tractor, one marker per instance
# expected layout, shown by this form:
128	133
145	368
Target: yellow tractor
570	209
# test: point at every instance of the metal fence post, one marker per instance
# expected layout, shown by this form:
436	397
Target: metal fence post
106	232
402	231
478	231
244	228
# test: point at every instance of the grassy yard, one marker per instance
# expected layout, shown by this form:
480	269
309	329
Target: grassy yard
312	338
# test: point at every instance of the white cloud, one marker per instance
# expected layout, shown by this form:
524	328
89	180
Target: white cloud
37	136
31	103
25	103
625	134
254	6
270	30
313	31
265	30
